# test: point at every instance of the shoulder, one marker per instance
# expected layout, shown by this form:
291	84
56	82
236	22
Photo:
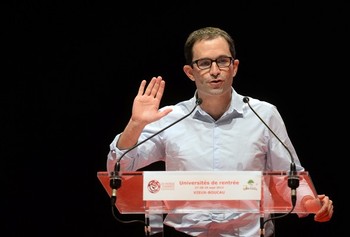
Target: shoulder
258	103
184	106
262	108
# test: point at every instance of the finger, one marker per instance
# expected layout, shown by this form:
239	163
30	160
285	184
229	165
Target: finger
155	87
160	90
324	217
321	196
142	87
150	86
330	208
326	212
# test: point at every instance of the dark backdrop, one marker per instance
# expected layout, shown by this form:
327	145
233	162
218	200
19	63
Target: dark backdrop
71	71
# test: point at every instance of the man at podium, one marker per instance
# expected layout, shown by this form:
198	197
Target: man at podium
215	130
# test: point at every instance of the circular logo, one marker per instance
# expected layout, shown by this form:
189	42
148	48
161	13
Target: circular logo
153	186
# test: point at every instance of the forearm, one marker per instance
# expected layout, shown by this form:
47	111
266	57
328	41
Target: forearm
130	135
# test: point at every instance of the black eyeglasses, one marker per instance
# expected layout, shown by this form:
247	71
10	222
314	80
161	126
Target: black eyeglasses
205	63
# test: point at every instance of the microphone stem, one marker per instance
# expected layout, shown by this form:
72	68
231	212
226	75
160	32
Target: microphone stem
293	179
115	180
290	154
115	183
262	228
198	102
293	183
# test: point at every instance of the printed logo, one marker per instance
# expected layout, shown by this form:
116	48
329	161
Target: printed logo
153	186
251	185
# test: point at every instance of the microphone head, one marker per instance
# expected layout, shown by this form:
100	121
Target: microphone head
246	99
199	101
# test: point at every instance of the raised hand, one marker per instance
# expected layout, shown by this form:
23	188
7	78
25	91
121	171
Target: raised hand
146	104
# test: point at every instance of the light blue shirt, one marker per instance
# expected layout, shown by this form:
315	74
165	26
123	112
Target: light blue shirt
236	141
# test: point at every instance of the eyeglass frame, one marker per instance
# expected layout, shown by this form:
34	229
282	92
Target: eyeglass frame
211	62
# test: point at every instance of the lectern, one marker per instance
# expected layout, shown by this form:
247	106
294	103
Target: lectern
154	193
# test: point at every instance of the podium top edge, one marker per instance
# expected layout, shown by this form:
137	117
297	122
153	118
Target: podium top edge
133	173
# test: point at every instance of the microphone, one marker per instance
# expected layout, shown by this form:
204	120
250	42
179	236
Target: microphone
115	179
293	179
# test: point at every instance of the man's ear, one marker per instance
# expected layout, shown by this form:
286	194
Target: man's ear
235	65
188	71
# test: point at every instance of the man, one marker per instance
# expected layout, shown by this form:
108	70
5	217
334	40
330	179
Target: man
222	133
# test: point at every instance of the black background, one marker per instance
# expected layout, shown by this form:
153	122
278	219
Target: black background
72	69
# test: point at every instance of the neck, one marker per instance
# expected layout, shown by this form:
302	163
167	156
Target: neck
216	105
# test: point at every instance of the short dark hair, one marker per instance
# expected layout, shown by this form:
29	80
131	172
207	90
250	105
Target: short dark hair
206	33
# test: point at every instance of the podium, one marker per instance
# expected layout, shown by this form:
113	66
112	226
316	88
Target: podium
205	191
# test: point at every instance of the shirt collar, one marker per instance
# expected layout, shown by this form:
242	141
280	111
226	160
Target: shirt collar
234	111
